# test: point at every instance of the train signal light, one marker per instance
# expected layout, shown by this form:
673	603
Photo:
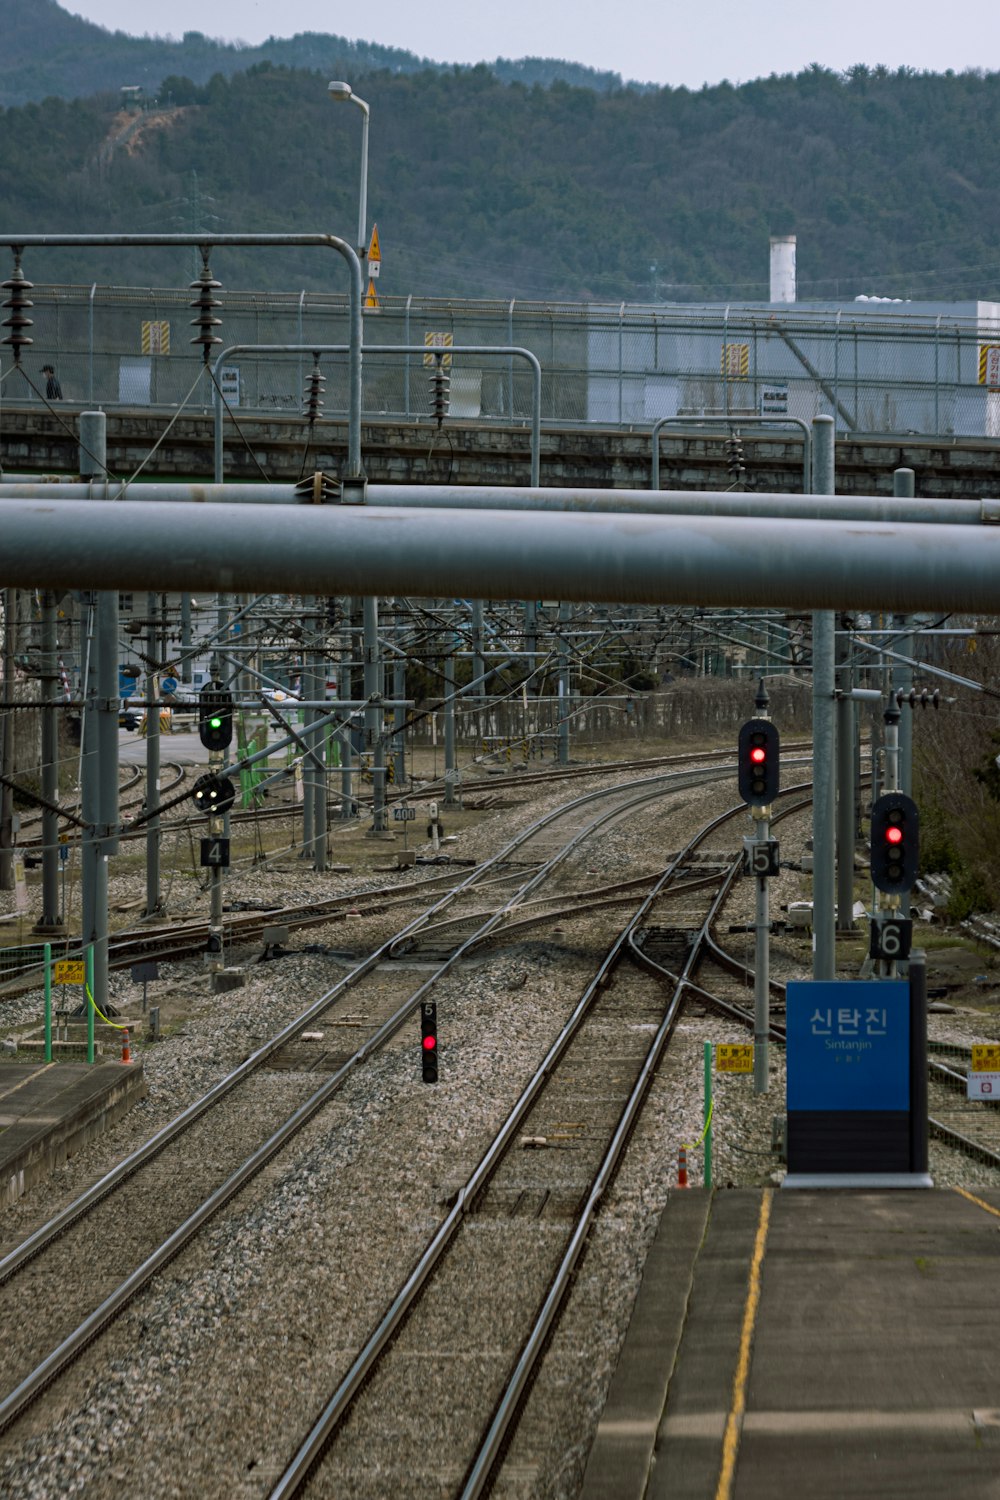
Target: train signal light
895	843
215	716
213	795
757	759
428	1042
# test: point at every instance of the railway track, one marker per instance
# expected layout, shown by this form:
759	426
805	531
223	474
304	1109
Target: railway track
584	1098
175	940
181	1179
531	1194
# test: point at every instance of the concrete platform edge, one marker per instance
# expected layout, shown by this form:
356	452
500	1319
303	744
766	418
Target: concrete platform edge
620	1458
30	1150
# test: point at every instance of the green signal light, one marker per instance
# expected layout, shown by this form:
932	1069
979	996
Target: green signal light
215	722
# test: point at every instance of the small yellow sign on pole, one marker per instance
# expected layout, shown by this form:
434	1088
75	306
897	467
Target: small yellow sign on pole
986	1058
374	256
69	971
734	1057
372	303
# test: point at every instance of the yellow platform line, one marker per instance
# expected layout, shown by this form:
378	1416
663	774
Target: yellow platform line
734	1422
979	1202
37	1073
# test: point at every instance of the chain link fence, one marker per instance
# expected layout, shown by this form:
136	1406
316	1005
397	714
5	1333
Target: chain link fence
875	368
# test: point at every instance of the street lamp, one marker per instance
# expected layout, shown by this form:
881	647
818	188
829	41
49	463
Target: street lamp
339	92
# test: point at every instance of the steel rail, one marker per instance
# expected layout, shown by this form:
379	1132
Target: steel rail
34	1384
311	1449
509	1404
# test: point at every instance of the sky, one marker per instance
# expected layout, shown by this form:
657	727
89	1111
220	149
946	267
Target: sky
655	41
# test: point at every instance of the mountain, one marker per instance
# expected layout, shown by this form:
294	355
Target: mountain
47	51
486	188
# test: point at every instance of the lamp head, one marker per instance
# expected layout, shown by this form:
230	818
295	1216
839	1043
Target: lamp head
339	91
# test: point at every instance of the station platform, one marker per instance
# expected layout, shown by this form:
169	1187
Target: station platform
834	1344
49	1110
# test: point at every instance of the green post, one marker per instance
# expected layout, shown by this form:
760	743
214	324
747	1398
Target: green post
708	1114
48	1001
88	991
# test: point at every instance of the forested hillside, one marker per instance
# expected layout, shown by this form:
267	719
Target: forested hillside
44	50
481	187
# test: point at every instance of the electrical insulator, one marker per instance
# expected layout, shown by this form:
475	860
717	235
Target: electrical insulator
314	395
735	458
440	381
205	303
18	302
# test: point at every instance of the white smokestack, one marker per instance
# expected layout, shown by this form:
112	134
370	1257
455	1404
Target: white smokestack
782	268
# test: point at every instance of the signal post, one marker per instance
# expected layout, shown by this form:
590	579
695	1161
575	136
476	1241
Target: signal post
215	795
895	833
893	857
758	772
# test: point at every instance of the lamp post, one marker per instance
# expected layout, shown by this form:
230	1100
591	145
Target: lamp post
339	92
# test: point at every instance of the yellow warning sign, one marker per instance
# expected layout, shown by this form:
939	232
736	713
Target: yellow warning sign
986	1059
372	303
733	1057
374	250
155	337
438	341
989	364
735	361
69	971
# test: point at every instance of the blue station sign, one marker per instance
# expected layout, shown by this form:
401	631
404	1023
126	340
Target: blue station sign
848	1045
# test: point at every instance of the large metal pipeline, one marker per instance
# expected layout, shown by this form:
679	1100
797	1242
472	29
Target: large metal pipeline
623	558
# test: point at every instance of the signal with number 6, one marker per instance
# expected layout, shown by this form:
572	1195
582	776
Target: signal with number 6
895	843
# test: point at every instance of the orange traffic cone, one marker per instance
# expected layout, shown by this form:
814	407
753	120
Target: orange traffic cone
682	1168
126	1049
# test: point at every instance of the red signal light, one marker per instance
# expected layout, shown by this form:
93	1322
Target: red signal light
428	1039
894	835
758	750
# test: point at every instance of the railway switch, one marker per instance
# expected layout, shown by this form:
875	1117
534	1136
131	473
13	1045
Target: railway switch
895	843
758	762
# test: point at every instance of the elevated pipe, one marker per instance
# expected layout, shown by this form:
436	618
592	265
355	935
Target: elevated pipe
700	560
581	501
709	427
